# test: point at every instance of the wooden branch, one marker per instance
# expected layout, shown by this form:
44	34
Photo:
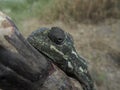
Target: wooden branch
28	63
39	65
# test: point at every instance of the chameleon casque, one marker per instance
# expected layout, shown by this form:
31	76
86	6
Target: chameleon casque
59	47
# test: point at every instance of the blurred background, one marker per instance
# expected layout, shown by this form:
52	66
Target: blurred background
94	25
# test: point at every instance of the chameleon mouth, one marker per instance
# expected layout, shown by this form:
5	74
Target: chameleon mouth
77	68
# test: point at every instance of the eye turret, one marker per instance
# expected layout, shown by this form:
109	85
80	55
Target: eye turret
57	35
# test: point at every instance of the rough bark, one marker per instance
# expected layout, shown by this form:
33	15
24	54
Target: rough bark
24	68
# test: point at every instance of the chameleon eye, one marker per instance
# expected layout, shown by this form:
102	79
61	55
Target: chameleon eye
57	35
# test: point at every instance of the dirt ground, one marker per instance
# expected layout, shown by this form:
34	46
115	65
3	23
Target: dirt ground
98	43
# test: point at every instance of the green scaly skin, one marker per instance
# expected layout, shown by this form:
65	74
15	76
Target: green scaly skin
64	56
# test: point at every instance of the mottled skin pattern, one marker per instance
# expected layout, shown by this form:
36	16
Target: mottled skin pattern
62	53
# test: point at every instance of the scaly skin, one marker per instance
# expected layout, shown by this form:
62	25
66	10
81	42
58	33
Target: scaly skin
63	54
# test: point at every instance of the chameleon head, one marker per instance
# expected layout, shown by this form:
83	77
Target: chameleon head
59	47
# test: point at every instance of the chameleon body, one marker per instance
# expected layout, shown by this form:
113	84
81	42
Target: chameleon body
59	47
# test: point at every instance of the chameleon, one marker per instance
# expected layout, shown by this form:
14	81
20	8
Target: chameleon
58	45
